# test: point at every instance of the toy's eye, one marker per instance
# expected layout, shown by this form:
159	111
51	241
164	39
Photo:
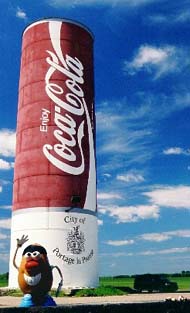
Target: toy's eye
35	254
27	254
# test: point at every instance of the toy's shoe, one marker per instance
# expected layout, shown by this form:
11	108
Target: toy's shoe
49	301
26	301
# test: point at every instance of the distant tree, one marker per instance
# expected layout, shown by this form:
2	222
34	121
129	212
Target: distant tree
185	273
4	276
121	276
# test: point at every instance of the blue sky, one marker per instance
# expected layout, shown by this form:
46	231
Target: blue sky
142	84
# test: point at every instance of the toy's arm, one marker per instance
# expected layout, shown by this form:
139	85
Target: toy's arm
59	271
61	281
20	242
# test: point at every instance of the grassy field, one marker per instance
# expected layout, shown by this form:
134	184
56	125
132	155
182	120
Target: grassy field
183	282
3	280
117	282
3	283
107	284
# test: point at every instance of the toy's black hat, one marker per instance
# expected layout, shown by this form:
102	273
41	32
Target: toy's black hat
33	248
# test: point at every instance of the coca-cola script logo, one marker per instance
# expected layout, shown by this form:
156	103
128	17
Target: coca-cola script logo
61	154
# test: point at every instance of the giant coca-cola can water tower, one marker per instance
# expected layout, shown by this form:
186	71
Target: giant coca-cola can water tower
54	198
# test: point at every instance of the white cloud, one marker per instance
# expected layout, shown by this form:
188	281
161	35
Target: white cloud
117	254
112	3
126	137
128	214
183	17
184	233
4	165
107	175
157	19
174	197
108	120
157	237
4	257
7	142
124	140
102	209
108	196
175	250
2	245
4	182
5	223
1	188
21	14
6	207
157	60
75	3
150	55
113	265
3	236
119	243
152	237
127	145
166	251
178	17
100	222
177	197
131	178
177	151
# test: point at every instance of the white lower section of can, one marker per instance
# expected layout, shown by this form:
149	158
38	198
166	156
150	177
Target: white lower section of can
70	239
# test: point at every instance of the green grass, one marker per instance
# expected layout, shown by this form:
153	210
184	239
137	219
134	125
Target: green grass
117	282
13	293
183	283
3	283
108	286
4	280
100	291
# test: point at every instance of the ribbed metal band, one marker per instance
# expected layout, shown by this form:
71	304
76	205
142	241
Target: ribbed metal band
54	209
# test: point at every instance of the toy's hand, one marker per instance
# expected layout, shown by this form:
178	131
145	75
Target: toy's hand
22	240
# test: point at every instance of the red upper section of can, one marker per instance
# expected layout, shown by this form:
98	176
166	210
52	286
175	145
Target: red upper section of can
55	157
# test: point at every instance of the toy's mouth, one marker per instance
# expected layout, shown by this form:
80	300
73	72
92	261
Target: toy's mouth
32	280
32	267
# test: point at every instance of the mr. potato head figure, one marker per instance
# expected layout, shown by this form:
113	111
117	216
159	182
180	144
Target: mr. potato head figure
35	275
